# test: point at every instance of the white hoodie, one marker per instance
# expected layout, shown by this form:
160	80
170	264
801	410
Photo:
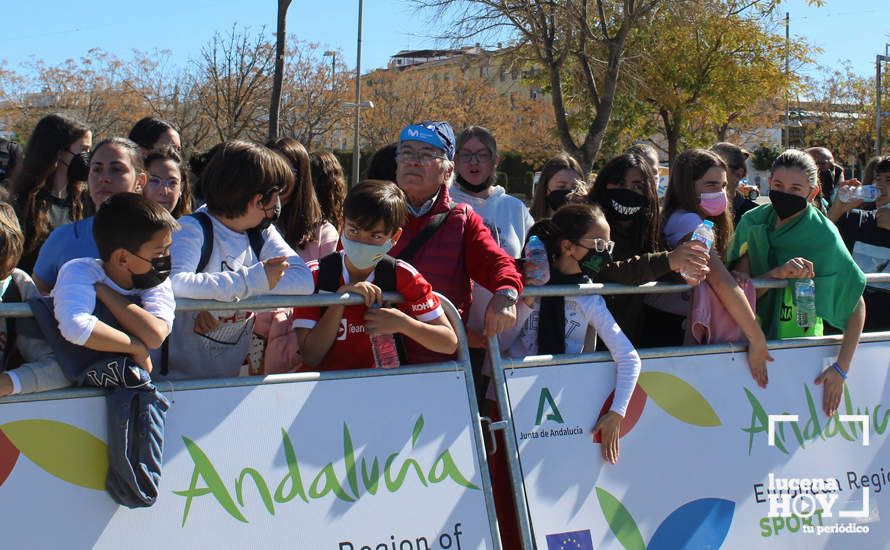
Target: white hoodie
505	216
508	220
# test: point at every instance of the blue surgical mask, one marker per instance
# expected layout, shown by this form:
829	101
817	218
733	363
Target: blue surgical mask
365	256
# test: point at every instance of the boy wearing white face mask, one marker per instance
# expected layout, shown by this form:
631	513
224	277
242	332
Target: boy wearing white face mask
337	337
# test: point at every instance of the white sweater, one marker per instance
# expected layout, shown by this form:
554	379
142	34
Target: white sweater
581	312
504	215
233	272
74	298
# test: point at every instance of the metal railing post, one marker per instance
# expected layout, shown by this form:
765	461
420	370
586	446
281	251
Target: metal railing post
511	448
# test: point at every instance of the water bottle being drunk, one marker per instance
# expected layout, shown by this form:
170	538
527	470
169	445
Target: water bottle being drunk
866	193
805	302
704	234
383	347
537	265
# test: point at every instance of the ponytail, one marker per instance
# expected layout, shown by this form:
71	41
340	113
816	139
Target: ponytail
571	222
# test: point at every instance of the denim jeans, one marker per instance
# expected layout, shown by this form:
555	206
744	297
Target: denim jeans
136	412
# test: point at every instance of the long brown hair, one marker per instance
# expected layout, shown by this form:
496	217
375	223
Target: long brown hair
301	214
646	226
30	185
692	165
539	208
330	186
875	166
183	206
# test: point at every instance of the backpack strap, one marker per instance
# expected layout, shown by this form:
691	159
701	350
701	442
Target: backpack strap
12	358
207	244
385	278
255	237
329	270
385	274
425	234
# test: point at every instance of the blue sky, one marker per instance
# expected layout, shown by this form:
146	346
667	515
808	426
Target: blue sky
845	29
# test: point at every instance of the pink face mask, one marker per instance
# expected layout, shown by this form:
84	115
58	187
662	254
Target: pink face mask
713	204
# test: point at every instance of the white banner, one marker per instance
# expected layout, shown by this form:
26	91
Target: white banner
352	464
695	466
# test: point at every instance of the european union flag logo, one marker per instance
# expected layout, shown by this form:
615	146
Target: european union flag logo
575	540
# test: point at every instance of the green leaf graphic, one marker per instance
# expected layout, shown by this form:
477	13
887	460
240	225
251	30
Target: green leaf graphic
620	521
418	426
63	450
679	399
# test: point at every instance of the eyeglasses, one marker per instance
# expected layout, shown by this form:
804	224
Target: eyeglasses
600	245
480	157
421	157
171	184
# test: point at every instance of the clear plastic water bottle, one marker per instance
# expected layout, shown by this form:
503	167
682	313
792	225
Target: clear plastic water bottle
383	347
850	193
805	302
704	234
537	265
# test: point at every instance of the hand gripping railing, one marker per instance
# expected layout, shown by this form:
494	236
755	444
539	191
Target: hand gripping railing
500	364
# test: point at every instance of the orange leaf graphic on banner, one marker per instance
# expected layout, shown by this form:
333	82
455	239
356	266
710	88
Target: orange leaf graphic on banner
631	415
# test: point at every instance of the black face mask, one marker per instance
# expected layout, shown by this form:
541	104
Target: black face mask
79	167
269	220
160	270
624	204
786	204
558	198
475	188
592	262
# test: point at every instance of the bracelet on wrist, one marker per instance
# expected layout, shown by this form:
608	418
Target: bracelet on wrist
839	370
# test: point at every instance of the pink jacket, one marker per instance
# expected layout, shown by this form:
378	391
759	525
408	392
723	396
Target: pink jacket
709	322
282	349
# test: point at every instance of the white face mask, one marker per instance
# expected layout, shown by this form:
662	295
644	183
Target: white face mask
365	256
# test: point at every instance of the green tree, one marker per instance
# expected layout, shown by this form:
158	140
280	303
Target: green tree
840	115
582	38
709	67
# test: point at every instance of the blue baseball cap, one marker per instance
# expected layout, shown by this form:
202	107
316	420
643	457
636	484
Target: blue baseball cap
436	133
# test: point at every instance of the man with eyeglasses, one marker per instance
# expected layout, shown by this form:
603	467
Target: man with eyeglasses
449	243
831	176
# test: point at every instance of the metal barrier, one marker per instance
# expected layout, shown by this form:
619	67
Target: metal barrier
500	364
461	363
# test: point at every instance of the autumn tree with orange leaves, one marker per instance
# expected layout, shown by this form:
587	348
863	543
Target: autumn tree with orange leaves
520	124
